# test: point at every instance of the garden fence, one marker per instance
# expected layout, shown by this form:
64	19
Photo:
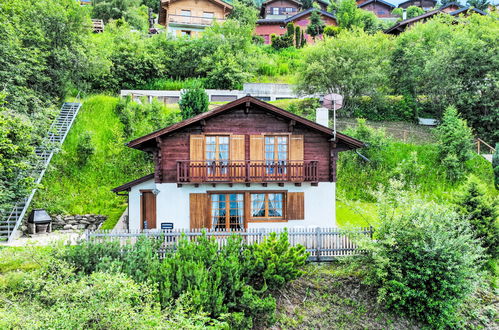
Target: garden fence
323	244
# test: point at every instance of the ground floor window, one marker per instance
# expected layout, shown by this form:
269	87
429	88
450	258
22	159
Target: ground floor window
227	211
267	206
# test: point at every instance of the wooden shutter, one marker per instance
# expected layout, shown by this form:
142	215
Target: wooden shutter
237	156
296	156
196	156
295	203
257	156
199	211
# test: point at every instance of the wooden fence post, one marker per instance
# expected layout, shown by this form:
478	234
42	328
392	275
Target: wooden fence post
318	242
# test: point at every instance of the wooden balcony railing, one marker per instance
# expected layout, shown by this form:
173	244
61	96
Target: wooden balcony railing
246	171
193	20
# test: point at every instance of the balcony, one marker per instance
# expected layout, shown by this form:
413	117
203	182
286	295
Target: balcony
193	20
246	171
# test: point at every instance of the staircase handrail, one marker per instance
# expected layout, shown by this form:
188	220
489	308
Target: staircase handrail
480	141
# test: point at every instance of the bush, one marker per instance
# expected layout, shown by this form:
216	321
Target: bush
231	284
84	149
332	30
424	260
282	41
495	166
193	101
455	143
305	108
482	214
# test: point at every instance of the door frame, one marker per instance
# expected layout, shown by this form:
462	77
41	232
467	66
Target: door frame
142	208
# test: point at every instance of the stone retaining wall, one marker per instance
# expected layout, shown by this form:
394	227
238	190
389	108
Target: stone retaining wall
77	222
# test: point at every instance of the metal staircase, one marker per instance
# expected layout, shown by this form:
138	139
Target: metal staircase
10	221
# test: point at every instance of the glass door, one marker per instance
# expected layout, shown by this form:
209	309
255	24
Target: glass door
217	156
227	212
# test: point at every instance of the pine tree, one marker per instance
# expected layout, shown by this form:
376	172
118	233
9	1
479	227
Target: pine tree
297	37
316	26
303	40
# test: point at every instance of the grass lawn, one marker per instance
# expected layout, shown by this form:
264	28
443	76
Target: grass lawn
354	214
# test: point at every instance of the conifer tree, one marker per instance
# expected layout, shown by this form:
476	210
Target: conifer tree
316	26
297	37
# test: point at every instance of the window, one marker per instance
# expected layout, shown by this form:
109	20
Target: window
217	154
267	206
289	9
185	33
275	11
276	154
185	12
227	211
208	15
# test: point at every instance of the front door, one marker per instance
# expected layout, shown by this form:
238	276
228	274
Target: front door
148	210
227	211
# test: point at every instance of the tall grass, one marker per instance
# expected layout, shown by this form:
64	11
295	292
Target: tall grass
170	84
70	189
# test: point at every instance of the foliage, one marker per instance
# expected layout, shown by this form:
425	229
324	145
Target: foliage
351	64
84	149
130	11
482	213
305	108
193	101
375	140
274	262
69	189
385	107
455	143
316	26
245	14
236	279
411	11
424	260
452	64
479	4
282	41
351	17
15	154
495	166
332	30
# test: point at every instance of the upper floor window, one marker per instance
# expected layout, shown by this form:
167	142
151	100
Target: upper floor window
276	148
289	9
217	148
185	12
208	15
275	11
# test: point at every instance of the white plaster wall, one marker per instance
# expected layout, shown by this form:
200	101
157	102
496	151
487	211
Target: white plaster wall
172	203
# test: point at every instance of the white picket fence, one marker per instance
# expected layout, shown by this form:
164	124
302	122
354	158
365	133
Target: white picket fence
322	243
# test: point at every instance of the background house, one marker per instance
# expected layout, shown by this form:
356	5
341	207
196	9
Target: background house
191	17
246	164
380	8
267	26
424	4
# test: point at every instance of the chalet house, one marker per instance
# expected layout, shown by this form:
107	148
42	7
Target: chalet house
380	8
450	7
401	26
267	26
191	17
245	164
285	8
424	4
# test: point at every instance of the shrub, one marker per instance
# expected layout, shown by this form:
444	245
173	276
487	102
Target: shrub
305	108
424	260
375	140
84	149
193	101
495	166
455	143
332	30
280	42
481	212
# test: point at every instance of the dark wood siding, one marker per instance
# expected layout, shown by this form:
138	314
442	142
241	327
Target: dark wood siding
175	147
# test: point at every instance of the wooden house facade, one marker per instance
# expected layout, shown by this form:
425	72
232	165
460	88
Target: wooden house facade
246	164
191	17
380	8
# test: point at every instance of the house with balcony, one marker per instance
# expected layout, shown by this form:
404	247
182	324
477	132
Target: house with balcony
191	17
246	164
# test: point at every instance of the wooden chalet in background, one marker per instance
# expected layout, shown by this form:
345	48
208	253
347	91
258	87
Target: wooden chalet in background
265	27
191	17
245	164
380	8
424	4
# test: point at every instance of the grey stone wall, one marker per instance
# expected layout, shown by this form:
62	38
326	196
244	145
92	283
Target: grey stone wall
77	222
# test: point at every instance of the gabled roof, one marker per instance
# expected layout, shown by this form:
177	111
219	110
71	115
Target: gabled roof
305	12
220	2
403	3
465	9
270	1
450	4
128	185
380	1
140	142
400	26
